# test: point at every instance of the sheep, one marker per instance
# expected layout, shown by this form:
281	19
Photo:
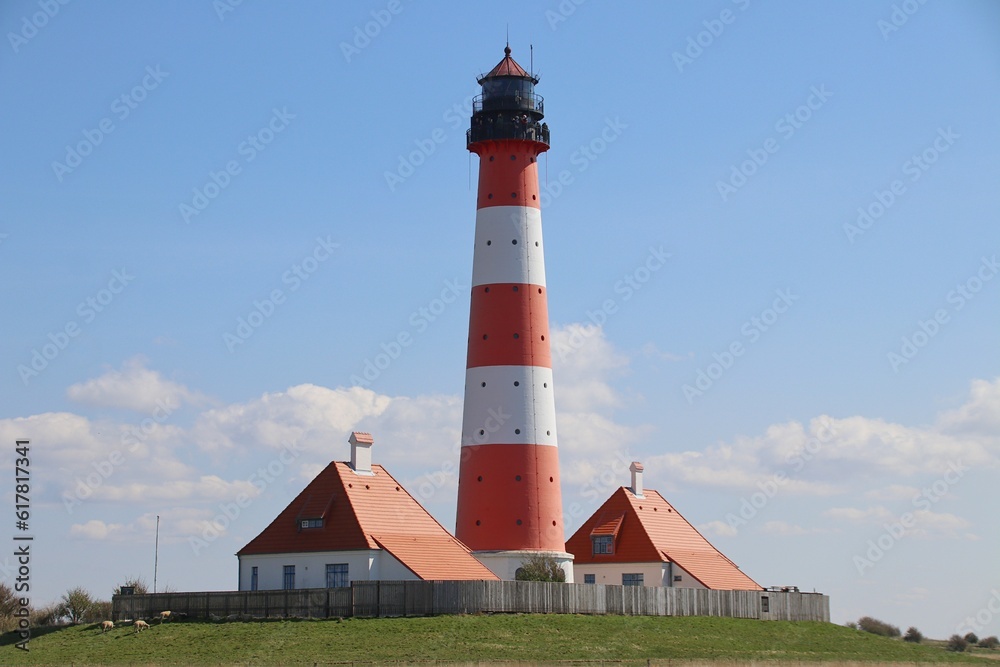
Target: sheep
107	625
141	625
164	616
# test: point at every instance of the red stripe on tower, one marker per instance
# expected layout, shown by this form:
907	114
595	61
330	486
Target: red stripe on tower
509	502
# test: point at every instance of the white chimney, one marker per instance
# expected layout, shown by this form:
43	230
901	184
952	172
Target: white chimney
636	469
361	452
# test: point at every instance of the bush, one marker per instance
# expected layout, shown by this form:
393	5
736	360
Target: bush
877	627
77	602
47	615
99	611
913	635
957	643
989	642
540	568
971	639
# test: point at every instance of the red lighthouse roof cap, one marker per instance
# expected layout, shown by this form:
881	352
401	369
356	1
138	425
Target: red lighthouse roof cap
508	67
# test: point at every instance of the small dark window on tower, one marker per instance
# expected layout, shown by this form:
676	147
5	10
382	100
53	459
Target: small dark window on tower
513	157
516	336
478	522
514	241
484	336
484	384
517	478
517	431
515	286
482	432
479	479
516	383
489	196
491	158
513	195
489	243
519	522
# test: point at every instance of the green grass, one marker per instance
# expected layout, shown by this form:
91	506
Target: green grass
535	638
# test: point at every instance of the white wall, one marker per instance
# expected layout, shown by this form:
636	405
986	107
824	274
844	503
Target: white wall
310	568
504	564
653	574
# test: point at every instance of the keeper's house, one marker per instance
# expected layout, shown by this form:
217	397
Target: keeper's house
353	522
637	538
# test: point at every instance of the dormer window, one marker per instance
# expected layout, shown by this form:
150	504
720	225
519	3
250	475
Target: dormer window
310	523
603	544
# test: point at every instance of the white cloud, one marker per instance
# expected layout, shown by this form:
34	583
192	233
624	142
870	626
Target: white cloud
134	387
785	529
917	523
314	417
823	456
718	529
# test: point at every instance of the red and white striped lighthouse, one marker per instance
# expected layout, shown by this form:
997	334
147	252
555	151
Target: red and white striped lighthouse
509	502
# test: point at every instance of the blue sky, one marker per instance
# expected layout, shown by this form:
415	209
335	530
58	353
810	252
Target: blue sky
175	168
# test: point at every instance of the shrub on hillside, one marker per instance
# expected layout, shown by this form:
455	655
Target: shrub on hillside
913	635
971	639
989	642
48	615
877	627
957	643
77	601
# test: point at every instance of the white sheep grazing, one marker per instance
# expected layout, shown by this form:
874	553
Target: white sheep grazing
164	616
141	625
107	625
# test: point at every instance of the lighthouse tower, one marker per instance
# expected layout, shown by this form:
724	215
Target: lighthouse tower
509	502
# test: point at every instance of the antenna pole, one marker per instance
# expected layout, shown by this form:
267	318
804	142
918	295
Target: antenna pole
156	552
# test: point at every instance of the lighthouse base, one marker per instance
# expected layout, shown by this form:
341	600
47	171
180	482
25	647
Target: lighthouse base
505	564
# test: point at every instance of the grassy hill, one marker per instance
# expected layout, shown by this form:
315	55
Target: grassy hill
535	638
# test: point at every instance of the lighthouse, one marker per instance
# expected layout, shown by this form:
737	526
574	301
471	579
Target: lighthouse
509	500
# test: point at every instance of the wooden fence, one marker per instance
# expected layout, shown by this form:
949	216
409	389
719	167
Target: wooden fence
367	599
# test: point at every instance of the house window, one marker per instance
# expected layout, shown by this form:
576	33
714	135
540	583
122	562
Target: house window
632	579
253	578
289	582
604	544
590	578
765	604
678	577
311	523
336	575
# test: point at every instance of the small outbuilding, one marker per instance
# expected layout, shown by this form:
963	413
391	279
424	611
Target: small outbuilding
354	522
637	538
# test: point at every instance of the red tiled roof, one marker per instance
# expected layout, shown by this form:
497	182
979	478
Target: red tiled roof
609	527
652	530
360	510
361	436
434	558
507	67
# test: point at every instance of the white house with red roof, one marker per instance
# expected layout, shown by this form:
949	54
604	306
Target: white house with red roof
637	538
353	522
